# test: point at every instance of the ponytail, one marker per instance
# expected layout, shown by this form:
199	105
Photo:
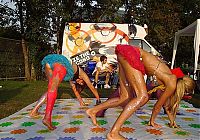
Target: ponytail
184	85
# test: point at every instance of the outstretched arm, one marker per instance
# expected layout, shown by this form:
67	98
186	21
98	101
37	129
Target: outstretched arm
171	116
169	82
169	90
86	79
77	94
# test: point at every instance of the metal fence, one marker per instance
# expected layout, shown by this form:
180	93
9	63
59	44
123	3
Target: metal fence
11	59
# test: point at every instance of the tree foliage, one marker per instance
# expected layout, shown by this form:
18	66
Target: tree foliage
43	21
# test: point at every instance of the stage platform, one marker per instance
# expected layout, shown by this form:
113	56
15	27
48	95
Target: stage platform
73	124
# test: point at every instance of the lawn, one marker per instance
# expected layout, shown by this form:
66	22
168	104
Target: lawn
15	95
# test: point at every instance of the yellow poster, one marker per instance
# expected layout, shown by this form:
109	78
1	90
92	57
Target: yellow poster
88	41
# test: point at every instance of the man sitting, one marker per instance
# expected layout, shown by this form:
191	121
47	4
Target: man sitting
102	69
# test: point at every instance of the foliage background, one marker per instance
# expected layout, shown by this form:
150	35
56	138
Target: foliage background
38	23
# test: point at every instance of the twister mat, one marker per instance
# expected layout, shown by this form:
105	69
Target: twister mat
73	124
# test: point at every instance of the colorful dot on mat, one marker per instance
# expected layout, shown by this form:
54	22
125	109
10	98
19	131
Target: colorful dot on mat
188	119
150	102
127	123
154	131
57	117
78	116
180	113
44	131
69	105
102	122
59	101
16	118
184	106
140	112
7	138
163	118
97	138
67	138
18	131
5	124
196	114
71	130
127	129
194	125
143	117
80	112
144	122
66	108
36	138
62	112
131	139
98	129
25	124
24	113
190	110
71	102
182	133
150	106
78	122
118	111
84	107
55	123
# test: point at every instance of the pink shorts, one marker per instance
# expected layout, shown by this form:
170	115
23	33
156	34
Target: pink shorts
132	56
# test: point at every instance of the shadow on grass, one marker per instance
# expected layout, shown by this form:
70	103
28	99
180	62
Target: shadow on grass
8	94
67	93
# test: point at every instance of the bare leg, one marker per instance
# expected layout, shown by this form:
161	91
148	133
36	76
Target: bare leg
113	102
51	97
41	101
96	77
112	95
107	77
135	103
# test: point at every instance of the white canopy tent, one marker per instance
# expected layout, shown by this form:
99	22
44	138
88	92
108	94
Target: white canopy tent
191	30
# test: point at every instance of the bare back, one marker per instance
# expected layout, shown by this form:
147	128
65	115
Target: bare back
154	66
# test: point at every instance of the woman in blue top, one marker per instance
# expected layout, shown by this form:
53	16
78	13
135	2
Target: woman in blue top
58	68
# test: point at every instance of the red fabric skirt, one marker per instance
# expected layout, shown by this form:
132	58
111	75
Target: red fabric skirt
132	56
57	69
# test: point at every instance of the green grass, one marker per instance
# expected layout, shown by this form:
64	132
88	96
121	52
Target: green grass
15	95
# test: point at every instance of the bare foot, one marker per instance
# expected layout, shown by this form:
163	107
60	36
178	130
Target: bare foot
155	125
48	124
115	137
92	116
34	114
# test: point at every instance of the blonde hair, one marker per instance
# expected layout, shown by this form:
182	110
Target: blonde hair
184	85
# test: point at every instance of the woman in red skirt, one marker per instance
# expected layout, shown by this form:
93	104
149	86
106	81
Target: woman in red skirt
133	64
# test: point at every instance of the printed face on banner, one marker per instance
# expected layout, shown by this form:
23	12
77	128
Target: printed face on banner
88	41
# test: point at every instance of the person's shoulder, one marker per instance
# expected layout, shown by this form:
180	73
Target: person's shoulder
98	64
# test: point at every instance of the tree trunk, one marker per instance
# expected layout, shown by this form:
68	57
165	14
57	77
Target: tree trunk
26	64
58	43
33	75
